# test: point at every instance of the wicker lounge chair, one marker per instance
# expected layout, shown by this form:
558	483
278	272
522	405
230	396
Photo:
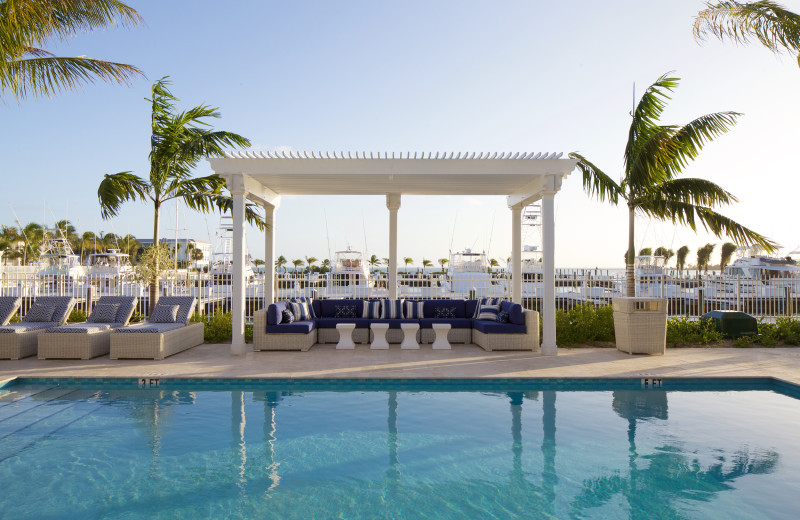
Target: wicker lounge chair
18	340
152	340
92	338
9	305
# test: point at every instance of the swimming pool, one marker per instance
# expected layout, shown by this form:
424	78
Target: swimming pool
399	449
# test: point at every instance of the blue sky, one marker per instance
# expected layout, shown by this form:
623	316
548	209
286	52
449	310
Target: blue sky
414	75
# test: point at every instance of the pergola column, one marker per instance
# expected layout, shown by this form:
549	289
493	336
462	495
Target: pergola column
269	254
516	253
393	204
549	347
239	194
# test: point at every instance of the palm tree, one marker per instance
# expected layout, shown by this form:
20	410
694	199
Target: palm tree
680	260
426	263
493	263
197	255
646	251
654	155
311	260
666	253
408	261
179	140
373	261
281	262
69	231
33	234
443	261
325	266
771	24
703	256
297	263
27	69
726	253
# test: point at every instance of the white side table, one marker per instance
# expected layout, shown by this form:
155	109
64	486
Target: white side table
379	336
345	331
440	341
409	336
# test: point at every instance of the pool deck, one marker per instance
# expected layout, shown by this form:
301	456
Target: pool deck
463	361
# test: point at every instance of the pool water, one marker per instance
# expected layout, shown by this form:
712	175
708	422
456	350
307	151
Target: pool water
398	450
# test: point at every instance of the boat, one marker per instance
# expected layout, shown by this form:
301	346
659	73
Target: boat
111	272
468	274
58	267
350	274
221	271
756	274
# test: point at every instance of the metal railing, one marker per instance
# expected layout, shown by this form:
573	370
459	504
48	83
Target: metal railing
686	296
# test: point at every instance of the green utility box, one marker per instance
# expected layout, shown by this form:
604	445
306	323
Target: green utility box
733	324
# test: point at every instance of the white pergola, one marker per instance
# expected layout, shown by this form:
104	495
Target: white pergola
262	178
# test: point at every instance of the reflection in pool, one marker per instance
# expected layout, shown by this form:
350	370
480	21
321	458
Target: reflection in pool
397	450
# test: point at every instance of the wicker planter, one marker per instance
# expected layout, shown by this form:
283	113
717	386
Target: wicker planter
640	325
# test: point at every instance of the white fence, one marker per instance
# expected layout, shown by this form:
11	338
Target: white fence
690	296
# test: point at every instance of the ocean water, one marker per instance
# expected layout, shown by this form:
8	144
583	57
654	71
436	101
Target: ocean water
338	450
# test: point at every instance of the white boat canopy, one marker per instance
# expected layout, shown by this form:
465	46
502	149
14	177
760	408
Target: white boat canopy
522	177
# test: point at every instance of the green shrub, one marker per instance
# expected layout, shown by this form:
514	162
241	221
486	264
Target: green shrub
216	328
76	316
585	323
15	318
681	330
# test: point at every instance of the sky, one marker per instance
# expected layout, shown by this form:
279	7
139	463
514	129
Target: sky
456	75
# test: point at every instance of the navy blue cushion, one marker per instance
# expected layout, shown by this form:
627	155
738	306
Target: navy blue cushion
317	306
330	323
298	327
394	324
455	323
432	305
274	312
469	308
328	307
514	310
492	327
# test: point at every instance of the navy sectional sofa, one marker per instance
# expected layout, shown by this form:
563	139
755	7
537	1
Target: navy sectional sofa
520	333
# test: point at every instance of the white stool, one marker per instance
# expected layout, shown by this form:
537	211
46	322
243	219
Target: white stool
345	331
409	336
379	336
440	341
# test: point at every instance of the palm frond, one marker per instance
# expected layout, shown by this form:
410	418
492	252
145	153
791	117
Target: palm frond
645	167
120	187
31	22
595	182
687	141
775	27
45	76
694	191
251	212
647	113
687	214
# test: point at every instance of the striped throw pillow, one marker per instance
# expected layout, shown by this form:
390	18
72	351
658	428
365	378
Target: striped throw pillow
489	312
485	301
164	314
300	311
413	310
309	301
372	310
391	309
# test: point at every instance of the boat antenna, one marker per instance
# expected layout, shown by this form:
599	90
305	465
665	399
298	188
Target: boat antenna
453	235
491	232
327	235
364	225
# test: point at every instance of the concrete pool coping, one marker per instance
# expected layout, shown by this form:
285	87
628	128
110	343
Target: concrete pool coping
463	361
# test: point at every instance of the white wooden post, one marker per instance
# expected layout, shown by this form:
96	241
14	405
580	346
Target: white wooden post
516	253
549	347
393	204
269	254
239	194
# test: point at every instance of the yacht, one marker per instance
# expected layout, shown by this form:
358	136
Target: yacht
58	266
111	272
221	270
469	271
755	274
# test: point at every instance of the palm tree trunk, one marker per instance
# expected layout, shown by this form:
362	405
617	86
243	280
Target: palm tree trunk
630	275
154	281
